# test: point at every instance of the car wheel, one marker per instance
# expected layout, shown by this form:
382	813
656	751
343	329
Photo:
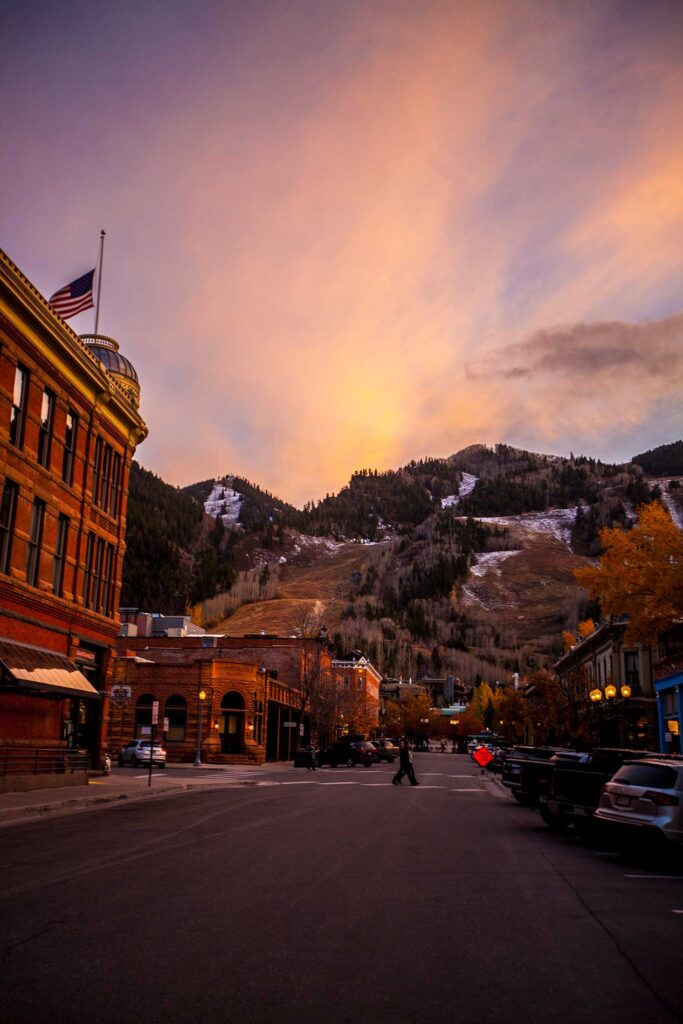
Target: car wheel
120	761
133	762
333	764
549	818
367	764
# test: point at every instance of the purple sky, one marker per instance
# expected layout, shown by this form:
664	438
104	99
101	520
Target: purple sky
346	235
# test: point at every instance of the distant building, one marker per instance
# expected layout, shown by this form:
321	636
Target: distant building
602	659
668	683
137	623
69	426
443	691
256	705
357	683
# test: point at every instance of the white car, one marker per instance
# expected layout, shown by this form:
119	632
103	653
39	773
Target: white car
137	753
645	798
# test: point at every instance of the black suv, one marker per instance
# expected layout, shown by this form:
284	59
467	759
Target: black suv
349	752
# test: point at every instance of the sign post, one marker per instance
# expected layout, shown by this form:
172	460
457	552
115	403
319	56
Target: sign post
155	721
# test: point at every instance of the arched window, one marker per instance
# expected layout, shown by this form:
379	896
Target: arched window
233	700
176	713
143	715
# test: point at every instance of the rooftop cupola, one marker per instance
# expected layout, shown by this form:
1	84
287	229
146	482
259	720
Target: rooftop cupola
107	351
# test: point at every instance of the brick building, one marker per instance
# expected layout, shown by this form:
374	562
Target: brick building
259	692
69	425
357	684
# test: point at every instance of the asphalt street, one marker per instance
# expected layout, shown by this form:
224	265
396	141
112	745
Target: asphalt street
333	897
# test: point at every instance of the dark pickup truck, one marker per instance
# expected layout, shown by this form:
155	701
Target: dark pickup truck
573	791
527	771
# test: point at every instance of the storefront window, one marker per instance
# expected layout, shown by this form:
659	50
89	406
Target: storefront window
176	713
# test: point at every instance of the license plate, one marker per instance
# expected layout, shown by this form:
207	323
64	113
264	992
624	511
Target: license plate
623	801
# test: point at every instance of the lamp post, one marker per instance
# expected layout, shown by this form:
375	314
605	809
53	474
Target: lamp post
198	755
610	710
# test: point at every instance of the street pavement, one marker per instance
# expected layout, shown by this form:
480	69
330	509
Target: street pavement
332	897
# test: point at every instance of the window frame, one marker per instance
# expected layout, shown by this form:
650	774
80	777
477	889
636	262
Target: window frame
17	421
45	430
35	542
8	512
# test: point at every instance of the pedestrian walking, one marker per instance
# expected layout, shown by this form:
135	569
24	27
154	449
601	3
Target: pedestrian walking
405	759
310	758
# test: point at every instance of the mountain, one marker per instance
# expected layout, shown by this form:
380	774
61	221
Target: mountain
459	565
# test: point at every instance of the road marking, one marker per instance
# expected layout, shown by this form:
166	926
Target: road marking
453	790
677	911
337	783
678	878
300	782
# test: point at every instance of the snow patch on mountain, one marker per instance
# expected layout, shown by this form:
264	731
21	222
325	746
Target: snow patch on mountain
224	502
673	510
467	485
489	561
557	522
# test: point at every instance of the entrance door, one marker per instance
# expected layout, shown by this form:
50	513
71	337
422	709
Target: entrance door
232	733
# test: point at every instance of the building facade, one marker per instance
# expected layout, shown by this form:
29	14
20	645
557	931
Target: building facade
602	661
224	700
69	426
356	683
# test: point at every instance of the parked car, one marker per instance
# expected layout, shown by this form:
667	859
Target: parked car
349	753
645	799
386	751
138	753
302	758
576	785
527	771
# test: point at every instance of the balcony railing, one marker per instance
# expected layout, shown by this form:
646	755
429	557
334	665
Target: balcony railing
41	761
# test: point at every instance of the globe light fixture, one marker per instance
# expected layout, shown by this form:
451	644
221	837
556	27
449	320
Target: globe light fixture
596	696
625	692
610	691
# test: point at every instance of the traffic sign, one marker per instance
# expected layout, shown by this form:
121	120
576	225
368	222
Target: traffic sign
289	725
482	756
155	712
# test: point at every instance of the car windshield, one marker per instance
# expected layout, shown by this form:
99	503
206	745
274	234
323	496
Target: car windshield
653	776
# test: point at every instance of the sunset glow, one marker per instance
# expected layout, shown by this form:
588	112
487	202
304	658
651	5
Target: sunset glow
350	234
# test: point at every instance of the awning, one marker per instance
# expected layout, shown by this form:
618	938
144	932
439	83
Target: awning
35	668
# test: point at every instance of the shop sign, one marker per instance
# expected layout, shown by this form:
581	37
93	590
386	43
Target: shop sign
121	694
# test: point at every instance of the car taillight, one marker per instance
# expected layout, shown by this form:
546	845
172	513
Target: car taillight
661	799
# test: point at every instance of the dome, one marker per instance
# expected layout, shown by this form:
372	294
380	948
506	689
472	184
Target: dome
107	351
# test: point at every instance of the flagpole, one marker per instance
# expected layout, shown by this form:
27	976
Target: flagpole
99	280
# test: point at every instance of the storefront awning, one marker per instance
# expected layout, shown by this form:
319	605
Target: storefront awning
35	668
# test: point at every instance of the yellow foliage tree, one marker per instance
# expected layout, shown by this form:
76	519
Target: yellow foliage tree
640	574
568	640
586	628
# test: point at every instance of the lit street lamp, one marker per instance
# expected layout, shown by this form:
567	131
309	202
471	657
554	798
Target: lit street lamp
610	710
198	755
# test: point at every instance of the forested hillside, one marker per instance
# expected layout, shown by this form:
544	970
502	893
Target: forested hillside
666	460
401	608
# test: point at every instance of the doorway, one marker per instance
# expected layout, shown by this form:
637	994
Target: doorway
231	723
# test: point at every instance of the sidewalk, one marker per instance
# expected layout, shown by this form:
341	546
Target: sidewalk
124	785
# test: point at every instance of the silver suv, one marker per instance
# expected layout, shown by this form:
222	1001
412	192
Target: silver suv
137	753
645	797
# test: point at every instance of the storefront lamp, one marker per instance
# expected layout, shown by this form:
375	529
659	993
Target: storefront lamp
596	696
625	692
198	754
610	691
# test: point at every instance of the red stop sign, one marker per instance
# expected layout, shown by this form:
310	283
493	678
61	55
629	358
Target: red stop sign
482	756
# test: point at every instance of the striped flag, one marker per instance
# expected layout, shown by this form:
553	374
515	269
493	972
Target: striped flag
74	297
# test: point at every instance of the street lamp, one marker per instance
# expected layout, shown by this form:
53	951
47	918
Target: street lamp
198	754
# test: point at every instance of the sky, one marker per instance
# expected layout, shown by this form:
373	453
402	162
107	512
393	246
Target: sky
345	234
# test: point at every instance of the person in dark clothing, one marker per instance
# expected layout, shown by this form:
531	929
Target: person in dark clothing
310	757
406	762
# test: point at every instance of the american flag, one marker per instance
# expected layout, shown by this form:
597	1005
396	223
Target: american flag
75	297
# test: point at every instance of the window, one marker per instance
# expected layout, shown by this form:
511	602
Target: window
47	414
35	540
8	507
108	580
632	669
88	569
70	436
143	715
106	477
176	713
59	559
18	413
98	579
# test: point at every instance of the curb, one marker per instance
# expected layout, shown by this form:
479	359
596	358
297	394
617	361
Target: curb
17	815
